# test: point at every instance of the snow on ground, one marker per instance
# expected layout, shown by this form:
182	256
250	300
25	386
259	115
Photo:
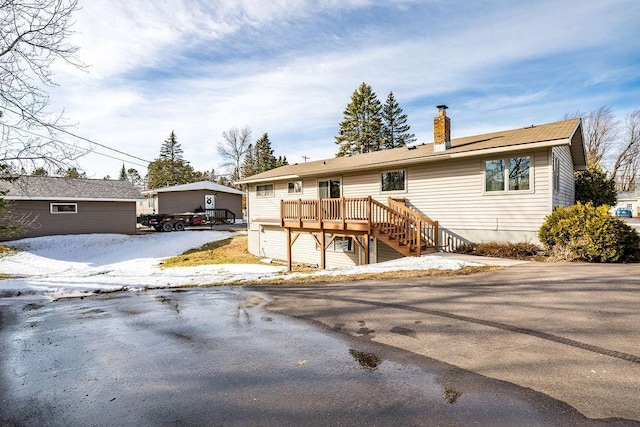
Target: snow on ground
77	265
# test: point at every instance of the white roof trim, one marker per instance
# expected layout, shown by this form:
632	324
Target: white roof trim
68	199
424	159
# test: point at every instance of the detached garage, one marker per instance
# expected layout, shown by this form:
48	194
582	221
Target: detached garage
217	200
53	205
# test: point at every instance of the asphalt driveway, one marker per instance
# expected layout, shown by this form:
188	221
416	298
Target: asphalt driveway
571	331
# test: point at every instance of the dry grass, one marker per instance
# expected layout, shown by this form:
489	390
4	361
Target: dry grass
234	251
228	251
388	275
4	250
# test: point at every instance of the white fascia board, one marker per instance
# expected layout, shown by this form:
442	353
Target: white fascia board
68	199
425	159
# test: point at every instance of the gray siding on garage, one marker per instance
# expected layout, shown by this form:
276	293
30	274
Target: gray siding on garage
92	217
188	201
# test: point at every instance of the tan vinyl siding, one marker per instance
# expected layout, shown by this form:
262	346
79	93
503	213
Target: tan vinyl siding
386	252
92	217
272	243
453	194
450	192
266	207
566	195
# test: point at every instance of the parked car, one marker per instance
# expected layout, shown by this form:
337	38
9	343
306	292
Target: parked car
624	212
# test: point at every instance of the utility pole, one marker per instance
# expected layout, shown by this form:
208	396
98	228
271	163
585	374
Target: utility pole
305	158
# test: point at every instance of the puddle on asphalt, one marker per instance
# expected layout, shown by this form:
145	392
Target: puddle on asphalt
366	360
236	349
451	395
32	306
404	331
165	300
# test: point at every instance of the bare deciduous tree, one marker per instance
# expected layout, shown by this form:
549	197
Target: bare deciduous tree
627	164
600	131
233	148
33	35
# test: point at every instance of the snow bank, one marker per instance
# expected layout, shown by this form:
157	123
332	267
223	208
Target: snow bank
73	265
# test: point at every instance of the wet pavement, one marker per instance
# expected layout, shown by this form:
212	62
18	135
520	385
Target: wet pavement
217	357
568	330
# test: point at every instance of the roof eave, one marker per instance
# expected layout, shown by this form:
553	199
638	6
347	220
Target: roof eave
417	160
69	199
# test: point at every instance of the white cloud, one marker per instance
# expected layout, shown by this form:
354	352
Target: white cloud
493	63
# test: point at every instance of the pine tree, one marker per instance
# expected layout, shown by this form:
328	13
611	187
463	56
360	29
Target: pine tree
123	174
71	173
360	130
249	163
264	158
170	168
171	149
282	161
40	171
395	130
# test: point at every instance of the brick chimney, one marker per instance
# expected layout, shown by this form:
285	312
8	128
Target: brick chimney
441	130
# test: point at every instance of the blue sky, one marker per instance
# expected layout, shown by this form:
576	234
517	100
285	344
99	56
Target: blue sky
289	68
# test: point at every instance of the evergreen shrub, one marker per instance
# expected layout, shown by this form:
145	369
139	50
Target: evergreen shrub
590	234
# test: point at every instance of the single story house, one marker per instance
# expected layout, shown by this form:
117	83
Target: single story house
46	205
218	200
412	200
630	200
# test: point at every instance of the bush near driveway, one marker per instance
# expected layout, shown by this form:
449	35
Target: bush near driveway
510	250
590	234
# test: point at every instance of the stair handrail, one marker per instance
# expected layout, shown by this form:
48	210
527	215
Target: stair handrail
420	218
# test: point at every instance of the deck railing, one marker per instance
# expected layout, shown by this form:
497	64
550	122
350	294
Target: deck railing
396	221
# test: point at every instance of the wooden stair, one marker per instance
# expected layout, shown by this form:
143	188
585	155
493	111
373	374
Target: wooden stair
396	224
408	232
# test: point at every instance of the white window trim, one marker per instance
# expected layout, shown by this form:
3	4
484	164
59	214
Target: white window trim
339	179
294	184
506	175
406	182
52	204
273	190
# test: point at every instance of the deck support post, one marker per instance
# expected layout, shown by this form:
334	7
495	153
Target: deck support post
323	250
289	249
367	239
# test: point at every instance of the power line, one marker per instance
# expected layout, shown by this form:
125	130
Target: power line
75	136
71	145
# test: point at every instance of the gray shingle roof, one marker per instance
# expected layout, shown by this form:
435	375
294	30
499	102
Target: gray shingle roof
57	188
200	185
557	133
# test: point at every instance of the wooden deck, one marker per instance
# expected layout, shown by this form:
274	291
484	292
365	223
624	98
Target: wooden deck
400	227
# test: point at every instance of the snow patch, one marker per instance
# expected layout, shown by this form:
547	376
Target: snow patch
80	265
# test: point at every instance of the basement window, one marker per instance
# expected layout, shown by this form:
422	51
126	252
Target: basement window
339	244
63	208
264	190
